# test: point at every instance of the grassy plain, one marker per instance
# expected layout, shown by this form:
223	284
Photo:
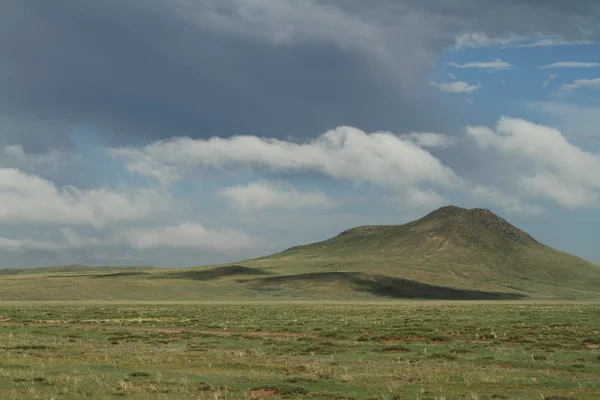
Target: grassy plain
403	350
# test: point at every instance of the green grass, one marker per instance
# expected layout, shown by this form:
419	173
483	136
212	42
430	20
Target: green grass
423	351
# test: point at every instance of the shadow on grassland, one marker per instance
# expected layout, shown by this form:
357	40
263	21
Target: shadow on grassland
95	276
118	275
212	273
382	285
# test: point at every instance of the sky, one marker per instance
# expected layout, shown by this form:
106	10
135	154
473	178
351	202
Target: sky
181	133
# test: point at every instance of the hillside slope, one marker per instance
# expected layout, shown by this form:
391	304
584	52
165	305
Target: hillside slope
451	253
453	247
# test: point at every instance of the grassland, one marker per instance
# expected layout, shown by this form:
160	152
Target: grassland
407	350
225	283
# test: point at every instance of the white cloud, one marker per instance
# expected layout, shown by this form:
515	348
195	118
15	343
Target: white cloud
510	203
558	187
424	199
344	153
14	151
273	195
554	41
27	198
145	165
551	77
189	236
13	245
183	236
67	240
581	83
478	40
15	156
414	199
429	139
493	65
576	120
572	64
452	76
484	136
455	87
560	171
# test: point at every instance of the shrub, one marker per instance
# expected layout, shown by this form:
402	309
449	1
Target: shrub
285	390
436	337
139	374
397	348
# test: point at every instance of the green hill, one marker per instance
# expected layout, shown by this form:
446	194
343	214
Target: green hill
70	269
451	253
470	249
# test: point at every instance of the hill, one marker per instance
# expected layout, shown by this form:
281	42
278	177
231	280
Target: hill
470	249
72	269
451	253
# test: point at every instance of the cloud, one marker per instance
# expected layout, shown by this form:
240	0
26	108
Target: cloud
513	40
423	199
344	153
551	77
572	64
198	67
183	236
146	77
27	198
429	139
581	83
14	155
19	246
484	136
510	203
492	65
575	120
68	239
559	170
14	151
189	236
564	192
554	41
586	137
146	164
455	87
479	39
273	195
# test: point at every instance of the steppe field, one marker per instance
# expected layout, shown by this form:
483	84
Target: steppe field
376	350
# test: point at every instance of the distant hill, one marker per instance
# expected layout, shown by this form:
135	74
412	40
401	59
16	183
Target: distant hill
73	268
451	253
472	249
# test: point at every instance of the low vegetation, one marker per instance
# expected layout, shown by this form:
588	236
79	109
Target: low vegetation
420	351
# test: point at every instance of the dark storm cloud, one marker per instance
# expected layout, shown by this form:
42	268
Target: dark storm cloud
144	70
30	258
